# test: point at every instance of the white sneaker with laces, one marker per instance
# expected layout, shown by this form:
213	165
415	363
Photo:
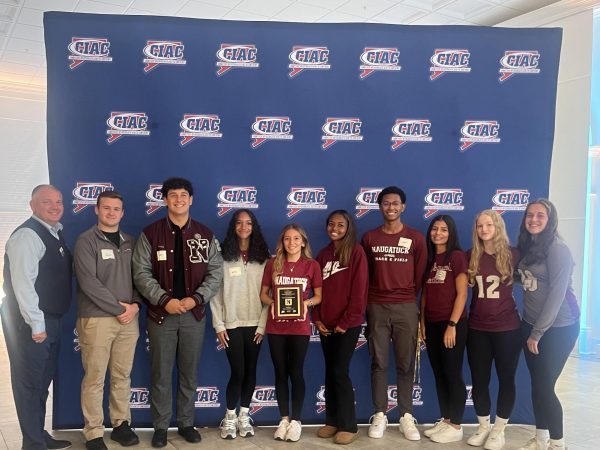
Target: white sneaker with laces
228	426
378	425
482	433
495	440
294	431
408	428
244	425
535	444
448	434
435	428
281	430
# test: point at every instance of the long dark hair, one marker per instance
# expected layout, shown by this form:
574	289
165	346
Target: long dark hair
534	250
349	240
453	241
258	251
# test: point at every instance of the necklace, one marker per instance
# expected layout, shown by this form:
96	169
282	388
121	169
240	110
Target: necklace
292	266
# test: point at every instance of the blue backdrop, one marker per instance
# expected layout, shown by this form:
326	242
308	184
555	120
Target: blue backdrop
294	120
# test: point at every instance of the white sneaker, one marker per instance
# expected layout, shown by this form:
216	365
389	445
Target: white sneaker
535	444
228	426
378	425
244	425
435	428
408	428
448	434
556	444
495	440
480	436
281	430
294	431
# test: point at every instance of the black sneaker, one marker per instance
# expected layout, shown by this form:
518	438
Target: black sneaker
124	435
55	444
96	444
190	434
159	439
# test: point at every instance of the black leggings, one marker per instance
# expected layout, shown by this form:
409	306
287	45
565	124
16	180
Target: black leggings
447	367
242	354
288	353
503	349
554	348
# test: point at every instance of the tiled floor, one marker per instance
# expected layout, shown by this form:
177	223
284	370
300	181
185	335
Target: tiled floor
578	388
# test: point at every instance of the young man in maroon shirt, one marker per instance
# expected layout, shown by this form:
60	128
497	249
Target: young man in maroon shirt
397	256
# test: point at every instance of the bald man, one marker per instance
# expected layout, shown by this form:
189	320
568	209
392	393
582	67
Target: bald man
37	283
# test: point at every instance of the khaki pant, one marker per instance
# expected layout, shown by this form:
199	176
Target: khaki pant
105	344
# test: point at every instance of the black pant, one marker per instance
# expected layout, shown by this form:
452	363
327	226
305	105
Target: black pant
447	365
503	348
288	353
339	394
242	355
554	348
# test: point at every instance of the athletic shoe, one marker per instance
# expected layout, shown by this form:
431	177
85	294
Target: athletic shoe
495	440
281	430
556	444
378	425
294	431
408	428
244	425
482	433
326	432
124	435
345	437
535	444
96	444
228	426
436	427
447	434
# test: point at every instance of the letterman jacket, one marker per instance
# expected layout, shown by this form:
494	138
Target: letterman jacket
153	266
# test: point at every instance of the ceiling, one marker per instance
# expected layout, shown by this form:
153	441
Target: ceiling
22	56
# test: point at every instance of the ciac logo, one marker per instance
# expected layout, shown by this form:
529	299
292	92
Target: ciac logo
207	397
195	126
139	398
126	124
308	58
510	200
375	59
446	60
236	56
479	132
231	197
410	130
336	129
82	49
86	194
263	397
267	128
163	52
76	346
446	199
154	198
366	201
320	403
301	198
519	62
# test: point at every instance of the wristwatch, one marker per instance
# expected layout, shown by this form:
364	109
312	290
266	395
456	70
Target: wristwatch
451	323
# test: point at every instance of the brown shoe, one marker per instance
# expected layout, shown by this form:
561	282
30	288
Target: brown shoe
345	437
326	432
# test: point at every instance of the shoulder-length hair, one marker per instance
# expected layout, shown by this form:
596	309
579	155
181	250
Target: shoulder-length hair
452	244
349	240
281	254
258	251
535	249
501	249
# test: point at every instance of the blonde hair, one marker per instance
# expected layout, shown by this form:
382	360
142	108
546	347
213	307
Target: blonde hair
281	254
501	245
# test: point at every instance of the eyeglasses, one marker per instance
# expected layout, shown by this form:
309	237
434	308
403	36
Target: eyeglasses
386	203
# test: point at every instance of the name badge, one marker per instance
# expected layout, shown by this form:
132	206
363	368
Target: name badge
440	275
107	253
404	242
161	255
235	271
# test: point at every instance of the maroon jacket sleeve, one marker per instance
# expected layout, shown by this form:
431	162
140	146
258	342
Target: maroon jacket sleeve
355	312
316	311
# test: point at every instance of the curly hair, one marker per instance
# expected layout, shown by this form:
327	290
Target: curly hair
534	250
281	254
501	245
258	251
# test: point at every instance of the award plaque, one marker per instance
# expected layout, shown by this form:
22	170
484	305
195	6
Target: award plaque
288	302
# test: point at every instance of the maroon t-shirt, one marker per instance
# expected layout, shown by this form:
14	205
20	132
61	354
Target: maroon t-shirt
493	306
396	264
440	287
305	272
